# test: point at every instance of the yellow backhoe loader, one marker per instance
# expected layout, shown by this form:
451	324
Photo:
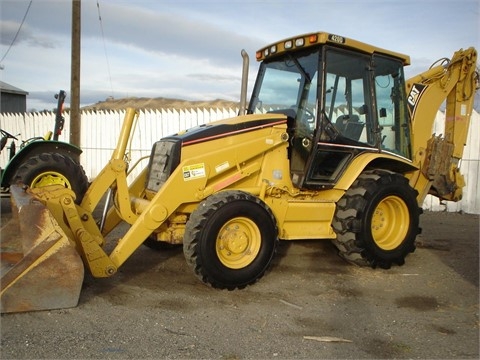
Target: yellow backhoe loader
334	144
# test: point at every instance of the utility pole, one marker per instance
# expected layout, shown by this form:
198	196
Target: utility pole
75	75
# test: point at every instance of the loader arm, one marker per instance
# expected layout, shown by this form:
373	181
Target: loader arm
248	150
77	221
438	156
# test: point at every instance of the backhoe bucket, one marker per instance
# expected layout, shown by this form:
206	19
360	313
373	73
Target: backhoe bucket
40	267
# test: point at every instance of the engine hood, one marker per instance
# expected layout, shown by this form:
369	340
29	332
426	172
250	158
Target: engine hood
227	127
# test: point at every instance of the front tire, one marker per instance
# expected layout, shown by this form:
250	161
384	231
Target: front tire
377	220
53	169
230	239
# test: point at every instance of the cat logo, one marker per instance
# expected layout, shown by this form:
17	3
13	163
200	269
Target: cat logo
414	96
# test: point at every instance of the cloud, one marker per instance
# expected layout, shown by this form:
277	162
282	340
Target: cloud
41	100
8	30
214	77
191	49
168	33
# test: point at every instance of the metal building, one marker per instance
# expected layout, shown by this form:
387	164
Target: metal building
13	100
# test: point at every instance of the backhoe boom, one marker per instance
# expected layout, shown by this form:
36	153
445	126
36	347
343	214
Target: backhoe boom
454	82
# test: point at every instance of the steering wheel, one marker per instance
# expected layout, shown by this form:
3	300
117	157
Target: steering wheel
7	135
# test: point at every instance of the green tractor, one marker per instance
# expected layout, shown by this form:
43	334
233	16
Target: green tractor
43	160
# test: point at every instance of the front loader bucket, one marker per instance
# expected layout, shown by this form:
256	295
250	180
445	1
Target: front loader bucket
40	267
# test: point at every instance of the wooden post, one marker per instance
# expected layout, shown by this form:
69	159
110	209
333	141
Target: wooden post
75	74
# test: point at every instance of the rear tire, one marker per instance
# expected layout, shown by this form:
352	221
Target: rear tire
230	240
53	169
377	220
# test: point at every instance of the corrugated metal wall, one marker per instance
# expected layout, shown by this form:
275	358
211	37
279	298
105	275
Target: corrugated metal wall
16	103
101	129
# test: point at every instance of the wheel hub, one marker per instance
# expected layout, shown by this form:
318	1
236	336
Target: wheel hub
390	222
50	178
238	243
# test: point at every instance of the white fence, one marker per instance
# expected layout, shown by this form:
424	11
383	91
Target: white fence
99	132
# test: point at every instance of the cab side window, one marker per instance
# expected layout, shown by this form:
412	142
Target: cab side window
346	94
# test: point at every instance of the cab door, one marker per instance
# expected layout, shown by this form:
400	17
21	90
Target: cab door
345	117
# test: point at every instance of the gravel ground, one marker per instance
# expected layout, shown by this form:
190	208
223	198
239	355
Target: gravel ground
154	307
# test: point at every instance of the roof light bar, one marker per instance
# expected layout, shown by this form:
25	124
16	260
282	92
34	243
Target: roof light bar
299	42
315	39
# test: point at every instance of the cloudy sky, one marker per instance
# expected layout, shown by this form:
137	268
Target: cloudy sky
190	49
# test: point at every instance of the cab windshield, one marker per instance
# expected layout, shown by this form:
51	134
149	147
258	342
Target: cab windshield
288	85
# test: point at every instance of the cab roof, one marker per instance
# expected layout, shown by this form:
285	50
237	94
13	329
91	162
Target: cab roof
318	38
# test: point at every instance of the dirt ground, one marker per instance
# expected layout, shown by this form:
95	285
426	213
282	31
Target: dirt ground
155	308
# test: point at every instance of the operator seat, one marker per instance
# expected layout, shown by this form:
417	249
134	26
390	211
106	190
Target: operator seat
349	126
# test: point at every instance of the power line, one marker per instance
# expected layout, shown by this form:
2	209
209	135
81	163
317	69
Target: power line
104	46
18	31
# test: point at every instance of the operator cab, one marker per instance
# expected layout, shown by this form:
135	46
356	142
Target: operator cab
339	103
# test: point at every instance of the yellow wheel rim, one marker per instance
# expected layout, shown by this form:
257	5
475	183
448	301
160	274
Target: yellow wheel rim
50	178
390	223
238	243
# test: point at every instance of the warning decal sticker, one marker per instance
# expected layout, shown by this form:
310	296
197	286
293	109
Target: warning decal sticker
192	172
